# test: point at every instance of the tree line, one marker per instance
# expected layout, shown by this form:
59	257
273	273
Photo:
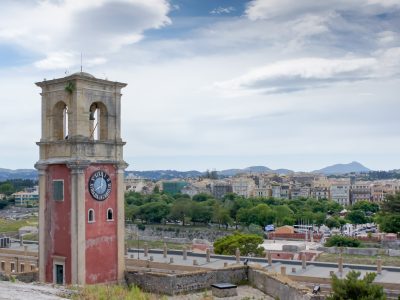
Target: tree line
231	210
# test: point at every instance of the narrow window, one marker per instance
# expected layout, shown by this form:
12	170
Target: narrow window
22	268
110	216
90	216
3	266
12	267
33	267
58	190
95	122
65	122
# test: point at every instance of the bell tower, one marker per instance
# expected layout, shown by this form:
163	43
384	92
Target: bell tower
81	173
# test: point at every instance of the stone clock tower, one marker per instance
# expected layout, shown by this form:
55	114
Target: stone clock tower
81	173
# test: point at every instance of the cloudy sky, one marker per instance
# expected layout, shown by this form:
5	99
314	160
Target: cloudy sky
215	83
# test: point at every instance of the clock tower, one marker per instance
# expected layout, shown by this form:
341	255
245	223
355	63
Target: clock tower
81	173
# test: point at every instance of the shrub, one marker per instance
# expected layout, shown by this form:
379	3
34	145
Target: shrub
353	288
248	244
342	241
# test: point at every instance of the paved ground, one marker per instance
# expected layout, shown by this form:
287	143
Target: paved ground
276	245
23	291
244	292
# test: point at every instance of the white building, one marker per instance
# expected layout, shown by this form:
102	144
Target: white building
340	192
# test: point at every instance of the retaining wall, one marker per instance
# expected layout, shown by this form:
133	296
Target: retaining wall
279	286
360	251
172	284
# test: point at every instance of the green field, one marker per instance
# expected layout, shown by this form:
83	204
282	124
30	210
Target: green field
360	259
14	225
155	245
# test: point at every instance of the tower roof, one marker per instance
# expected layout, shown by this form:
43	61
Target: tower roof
84	74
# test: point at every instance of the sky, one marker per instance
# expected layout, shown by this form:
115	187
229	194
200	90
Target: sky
215	84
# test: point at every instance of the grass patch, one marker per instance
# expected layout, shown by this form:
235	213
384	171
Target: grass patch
155	245
360	259
31	237
14	225
112	292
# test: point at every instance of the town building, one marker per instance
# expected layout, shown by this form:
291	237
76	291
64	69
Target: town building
26	197
340	192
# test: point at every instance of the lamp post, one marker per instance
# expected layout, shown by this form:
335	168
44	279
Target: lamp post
138	243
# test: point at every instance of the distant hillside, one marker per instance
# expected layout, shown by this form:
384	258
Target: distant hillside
6	174
253	169
353	167
164	174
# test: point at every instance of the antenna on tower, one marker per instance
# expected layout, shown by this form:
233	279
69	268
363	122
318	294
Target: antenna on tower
81	62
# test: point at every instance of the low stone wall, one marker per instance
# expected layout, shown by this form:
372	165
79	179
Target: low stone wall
179	233
275	285
280	287
293	236
171	284
27	277
360	251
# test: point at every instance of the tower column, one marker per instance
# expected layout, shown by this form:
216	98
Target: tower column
78	222
42	223
121	221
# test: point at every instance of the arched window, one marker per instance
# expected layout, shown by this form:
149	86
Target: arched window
60	121
91	215
110	216
98	118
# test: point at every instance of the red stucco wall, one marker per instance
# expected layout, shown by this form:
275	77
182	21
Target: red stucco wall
101	241
58	222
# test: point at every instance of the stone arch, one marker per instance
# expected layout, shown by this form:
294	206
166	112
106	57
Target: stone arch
98	120
60	121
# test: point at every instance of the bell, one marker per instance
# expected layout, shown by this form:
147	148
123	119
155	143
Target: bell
91	116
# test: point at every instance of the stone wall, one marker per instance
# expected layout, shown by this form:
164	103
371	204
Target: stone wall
171	284
177	234
28	277
279	287
360	251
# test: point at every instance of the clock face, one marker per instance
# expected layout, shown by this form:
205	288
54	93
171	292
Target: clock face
100	185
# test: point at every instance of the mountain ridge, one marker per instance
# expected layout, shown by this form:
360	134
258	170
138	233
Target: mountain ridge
7	174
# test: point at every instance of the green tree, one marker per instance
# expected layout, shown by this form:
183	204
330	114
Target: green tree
201	197
357	217
389	216
132	212
366	206
332	223
181	210
248	244
342	241
154	212
352	288
200	212
282	213
7	188
221	216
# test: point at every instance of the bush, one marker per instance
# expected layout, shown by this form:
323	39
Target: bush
248	244
111	292
353	288
342	241
141	226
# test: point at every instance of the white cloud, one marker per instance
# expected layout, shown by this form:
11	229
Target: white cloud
300	74
60	29
267	9
222	10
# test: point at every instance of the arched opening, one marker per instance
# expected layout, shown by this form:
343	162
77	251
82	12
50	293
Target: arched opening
91	215
110	216
98	119
60	121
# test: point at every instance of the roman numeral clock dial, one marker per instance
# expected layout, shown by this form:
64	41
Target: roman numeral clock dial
100	185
